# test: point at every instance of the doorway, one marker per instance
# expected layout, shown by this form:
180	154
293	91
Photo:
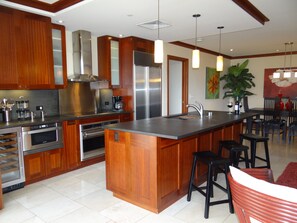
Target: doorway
177	84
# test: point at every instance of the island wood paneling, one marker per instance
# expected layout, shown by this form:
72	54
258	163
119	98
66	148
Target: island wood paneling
154	172
188	147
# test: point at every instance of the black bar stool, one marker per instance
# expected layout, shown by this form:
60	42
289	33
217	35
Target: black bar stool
235	149
254	139
212	161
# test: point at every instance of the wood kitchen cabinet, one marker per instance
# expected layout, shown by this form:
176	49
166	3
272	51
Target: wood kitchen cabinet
153	172
127	46
108	59
71	144
26	40
55	161
59	56
126	117
8	69
39	166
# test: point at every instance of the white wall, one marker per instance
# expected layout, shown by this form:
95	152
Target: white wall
196	78
256	67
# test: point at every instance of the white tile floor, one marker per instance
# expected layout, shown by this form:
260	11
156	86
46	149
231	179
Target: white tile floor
80	196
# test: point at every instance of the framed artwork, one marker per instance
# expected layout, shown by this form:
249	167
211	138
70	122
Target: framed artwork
212	85
285	86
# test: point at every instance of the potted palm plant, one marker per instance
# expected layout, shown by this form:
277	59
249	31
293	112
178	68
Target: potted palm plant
238	81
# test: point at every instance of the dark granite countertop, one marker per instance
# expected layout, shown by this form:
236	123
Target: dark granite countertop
57	118
173	127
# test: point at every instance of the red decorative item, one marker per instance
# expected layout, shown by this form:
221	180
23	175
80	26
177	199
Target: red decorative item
289	105
279	104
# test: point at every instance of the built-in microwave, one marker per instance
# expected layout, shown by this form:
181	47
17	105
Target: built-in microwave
42	137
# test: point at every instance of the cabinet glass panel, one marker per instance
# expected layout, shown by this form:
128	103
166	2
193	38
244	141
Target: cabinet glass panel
115	72
57	52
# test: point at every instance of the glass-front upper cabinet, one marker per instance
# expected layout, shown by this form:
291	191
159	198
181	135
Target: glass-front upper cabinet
115	62
108	59
59	53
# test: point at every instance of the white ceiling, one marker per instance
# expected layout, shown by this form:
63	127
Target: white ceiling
242	32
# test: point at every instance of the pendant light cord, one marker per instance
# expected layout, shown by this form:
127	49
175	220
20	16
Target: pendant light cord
158	19
291	43
196	34
220	28
196	29
220	41
285	56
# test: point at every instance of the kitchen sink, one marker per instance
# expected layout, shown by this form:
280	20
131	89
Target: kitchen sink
185	117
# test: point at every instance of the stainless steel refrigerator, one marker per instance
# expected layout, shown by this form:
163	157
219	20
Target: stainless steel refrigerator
147	86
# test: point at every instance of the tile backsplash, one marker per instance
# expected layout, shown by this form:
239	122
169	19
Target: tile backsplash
49	99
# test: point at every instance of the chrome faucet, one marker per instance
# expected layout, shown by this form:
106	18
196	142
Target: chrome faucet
199	108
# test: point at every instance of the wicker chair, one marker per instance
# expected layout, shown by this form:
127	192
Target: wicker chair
250	204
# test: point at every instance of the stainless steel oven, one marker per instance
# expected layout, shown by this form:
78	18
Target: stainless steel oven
42	137
92	139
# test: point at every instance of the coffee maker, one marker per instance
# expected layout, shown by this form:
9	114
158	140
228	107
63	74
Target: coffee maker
117	103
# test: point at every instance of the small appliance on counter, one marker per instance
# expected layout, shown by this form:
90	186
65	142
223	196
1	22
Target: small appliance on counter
117	103
6	106
23	111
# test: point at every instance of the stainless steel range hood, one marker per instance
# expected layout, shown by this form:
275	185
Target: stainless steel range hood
82	57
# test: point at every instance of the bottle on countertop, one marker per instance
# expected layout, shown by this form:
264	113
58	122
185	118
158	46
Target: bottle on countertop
236	107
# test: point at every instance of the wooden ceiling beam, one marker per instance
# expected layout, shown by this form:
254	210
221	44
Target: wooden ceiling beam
252	10
55	7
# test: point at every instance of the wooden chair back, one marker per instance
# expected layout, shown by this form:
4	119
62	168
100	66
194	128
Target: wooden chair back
250	204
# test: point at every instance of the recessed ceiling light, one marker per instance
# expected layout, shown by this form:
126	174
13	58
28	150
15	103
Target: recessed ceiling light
120	35
130	15
60	21
199	39
231	50
277	50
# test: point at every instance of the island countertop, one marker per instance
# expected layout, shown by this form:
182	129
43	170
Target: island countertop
174	127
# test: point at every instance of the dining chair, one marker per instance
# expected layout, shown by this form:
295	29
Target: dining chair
254	123
292	128
273	121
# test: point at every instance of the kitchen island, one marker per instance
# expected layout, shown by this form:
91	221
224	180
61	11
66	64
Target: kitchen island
148	162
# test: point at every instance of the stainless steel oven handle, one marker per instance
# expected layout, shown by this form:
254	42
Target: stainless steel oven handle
92	134
43	130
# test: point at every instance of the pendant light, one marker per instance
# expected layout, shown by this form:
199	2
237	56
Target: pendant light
286	72
220	58
158	56
196	52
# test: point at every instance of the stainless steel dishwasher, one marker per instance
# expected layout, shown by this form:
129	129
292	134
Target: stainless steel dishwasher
11	159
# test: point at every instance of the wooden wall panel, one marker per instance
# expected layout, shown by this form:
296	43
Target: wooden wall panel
144	154
168	169
228	132
188	147
217	136
118	160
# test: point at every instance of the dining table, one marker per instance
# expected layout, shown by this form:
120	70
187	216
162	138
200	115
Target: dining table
283	114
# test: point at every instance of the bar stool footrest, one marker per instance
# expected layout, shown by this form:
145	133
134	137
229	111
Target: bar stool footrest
218	202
